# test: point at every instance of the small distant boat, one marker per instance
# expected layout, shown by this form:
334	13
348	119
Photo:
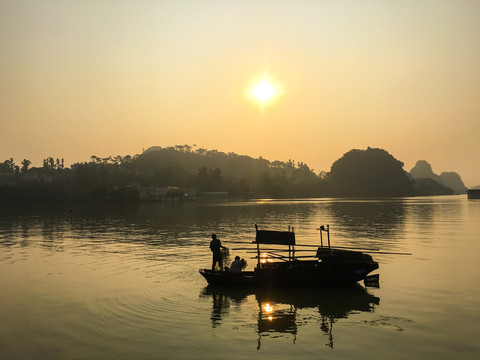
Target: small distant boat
328	266
473	193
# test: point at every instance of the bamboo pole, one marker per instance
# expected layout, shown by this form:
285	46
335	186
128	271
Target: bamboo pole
316	246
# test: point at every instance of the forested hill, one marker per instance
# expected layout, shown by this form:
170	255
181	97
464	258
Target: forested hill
233	166
212	170
358	173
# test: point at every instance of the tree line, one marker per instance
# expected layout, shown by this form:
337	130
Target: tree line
358	173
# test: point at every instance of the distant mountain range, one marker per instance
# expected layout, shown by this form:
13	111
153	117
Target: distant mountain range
423	170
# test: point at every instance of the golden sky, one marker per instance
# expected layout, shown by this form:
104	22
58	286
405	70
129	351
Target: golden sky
82	78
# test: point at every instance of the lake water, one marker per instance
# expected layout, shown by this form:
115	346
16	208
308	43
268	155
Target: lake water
122	282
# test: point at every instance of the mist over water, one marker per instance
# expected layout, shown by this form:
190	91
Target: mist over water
121	282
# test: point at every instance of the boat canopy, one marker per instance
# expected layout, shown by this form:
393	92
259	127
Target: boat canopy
275	237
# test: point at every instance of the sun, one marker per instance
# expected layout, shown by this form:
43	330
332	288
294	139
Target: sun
264	91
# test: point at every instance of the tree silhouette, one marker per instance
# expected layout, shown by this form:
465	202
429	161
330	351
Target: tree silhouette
25	164
8	166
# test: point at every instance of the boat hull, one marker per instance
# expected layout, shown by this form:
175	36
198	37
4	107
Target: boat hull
299	274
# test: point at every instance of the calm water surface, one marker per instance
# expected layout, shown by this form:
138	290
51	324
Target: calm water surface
122	282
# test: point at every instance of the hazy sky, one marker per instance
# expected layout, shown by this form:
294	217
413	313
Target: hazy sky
82	78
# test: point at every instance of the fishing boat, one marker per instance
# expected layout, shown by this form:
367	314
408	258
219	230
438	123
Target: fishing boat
325	266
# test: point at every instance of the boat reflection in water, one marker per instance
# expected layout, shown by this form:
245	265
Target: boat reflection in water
278	308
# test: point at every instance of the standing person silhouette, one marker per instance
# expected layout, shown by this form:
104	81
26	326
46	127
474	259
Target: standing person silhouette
215	246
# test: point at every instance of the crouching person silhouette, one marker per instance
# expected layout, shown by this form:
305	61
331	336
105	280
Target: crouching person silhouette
237	265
